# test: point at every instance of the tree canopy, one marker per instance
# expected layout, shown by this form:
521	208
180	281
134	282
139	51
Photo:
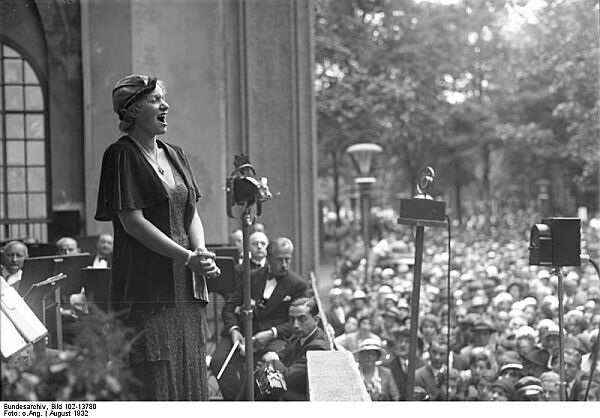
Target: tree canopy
495	97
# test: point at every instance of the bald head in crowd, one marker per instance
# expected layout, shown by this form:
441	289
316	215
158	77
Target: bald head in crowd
279	256
67	246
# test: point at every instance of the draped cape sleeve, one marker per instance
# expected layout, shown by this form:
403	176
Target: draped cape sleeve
127	181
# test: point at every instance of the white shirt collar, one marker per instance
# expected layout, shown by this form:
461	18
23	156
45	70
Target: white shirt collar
261	262
98	263
11	279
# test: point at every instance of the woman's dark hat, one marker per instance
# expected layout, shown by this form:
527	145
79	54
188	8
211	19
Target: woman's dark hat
529	386
537	356
506	385
137	86
484	324
393	313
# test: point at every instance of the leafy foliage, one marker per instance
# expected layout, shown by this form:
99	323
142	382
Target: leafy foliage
491	105
91	369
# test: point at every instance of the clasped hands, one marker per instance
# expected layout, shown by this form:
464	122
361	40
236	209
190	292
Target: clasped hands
203	262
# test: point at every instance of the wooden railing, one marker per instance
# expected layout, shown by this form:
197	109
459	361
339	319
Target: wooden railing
329	336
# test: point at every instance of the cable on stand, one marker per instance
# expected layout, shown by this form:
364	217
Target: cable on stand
596	345
449	314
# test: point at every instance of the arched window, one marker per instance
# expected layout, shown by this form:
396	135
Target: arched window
23	168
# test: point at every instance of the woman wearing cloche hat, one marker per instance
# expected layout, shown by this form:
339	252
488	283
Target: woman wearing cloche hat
377	379
148	191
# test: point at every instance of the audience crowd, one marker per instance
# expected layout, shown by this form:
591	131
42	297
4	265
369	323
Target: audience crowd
488	327
488	322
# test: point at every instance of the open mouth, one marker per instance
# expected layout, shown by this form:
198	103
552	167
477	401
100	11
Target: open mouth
162	118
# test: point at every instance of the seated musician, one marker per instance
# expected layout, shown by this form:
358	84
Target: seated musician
273	287
67	246
13	258
104	249
291	360
258	255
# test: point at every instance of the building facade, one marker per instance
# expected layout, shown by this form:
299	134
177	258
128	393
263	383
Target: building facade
239	79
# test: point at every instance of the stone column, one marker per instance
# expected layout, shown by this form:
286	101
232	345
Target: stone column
239	78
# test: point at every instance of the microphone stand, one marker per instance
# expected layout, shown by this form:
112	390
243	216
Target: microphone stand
247	220
49	280
52	281
420	211
244	190
561	337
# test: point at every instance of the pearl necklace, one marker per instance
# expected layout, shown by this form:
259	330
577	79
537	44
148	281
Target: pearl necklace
149	156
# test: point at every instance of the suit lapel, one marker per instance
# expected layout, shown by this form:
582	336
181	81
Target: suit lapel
259	280
312	337
294	347
298	348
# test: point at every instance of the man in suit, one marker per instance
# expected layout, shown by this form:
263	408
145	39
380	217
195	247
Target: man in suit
273	288
104	249
572	373
258	255
535	362
432	376
573	295
236	240
13	259
398	363
291	361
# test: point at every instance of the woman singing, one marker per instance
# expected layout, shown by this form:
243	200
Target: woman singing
148	191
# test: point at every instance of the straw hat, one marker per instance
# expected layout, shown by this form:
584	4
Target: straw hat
370	344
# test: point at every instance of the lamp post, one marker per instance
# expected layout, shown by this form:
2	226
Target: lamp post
362	157
544	188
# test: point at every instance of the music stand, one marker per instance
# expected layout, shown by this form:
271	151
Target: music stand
37	269
225	283
225	251
45	295
20	326
96	282
221	285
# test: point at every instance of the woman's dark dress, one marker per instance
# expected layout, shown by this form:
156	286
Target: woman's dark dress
154	292
170	355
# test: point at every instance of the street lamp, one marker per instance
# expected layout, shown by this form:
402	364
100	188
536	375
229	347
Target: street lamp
544	189
362	157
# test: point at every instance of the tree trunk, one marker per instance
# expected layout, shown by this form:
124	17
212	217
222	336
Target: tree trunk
457	197
486	184
336	189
